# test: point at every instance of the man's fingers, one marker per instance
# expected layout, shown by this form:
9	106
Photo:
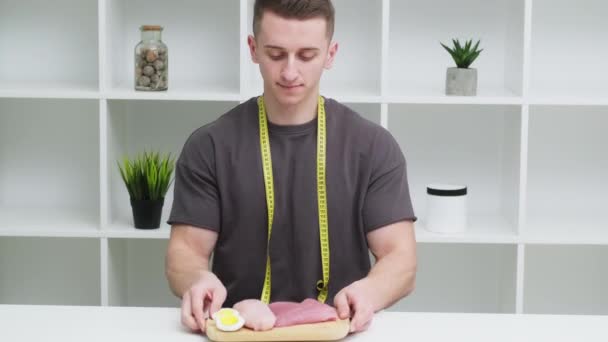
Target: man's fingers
187	318
361	318
197	303
342	305
366	325
363	314
206	304
217	300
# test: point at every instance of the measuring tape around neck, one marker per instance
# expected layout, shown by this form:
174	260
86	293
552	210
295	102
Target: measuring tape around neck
321	196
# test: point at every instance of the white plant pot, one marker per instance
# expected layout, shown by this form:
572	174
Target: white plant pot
446	208
460	81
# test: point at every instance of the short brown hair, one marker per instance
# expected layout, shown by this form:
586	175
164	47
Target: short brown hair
295	9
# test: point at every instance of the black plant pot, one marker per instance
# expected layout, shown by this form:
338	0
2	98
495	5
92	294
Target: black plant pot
146	213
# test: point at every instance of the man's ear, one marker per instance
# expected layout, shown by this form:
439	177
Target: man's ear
252	48
331	55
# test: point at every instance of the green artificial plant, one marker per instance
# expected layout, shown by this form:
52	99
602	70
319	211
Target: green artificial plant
463	56
148	175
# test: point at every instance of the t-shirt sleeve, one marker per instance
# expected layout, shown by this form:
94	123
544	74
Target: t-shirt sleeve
388	197
195	193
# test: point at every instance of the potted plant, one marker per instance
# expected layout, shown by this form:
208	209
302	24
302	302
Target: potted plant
462	80
147	178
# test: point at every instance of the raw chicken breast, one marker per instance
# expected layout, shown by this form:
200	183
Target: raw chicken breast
257	314
308	311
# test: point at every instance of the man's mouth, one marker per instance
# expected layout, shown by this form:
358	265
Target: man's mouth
291	86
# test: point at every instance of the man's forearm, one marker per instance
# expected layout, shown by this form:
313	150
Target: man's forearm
183	269
391	278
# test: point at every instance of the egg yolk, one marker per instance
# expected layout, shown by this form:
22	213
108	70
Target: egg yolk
228	318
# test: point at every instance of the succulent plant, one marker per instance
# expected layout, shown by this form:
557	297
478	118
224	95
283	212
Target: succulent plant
463	56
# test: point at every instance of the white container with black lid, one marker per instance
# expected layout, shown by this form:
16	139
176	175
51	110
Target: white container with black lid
446	208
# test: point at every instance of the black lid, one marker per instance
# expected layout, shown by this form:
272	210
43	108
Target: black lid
446	190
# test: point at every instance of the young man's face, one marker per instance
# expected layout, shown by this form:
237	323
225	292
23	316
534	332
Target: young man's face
292	54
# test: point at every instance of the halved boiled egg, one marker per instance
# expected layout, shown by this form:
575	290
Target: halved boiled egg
227	319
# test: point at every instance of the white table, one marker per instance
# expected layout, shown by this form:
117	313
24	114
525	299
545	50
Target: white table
96	323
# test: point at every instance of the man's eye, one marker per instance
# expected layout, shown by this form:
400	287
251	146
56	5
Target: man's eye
276	57
307	57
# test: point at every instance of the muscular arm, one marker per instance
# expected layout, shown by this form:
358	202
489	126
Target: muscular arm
390	279
187	258
393	276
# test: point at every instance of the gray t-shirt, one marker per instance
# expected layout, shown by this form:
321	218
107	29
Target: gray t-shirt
219	185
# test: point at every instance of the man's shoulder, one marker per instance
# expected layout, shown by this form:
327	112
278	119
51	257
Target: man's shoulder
228	125
352	123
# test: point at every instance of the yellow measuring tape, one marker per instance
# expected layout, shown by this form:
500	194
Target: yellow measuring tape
321	196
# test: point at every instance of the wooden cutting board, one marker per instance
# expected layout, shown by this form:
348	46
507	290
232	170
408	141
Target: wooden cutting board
324	331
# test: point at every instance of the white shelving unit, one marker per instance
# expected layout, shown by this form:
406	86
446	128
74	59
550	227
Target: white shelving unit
530	147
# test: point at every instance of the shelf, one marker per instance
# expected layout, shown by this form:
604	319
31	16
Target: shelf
480	229
59	90
567	174
49	271
138	125
463	278
443	144
179	91
69	112
435	94
41	186
47	222
200	54
48	42
582	69
416	60
567	97
127	230
566	280
558	228
136	274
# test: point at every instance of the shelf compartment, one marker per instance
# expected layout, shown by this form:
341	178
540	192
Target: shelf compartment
418	63
442	144
579	75
568	280
43	50
463	278
136	274
138	125
49	271
203	61
356	70
48	183
566	184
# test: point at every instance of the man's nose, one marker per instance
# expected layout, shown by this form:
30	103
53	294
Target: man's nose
289	73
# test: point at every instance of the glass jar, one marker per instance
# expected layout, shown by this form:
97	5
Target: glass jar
151	60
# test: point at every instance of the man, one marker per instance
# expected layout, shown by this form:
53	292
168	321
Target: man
221	201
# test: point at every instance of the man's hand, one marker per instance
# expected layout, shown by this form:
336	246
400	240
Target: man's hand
390	279
202	300
355	301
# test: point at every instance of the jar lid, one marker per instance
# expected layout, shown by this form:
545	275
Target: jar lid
151	28
446	190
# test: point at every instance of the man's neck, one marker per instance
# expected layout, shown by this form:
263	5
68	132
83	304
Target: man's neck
296	114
